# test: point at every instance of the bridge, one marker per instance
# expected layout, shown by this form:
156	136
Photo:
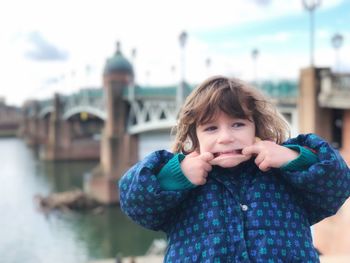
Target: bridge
121	121
10	119
151	113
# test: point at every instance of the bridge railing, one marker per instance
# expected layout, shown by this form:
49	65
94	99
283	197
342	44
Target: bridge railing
150	108
151	115
90	100
341	82
335	90
281	92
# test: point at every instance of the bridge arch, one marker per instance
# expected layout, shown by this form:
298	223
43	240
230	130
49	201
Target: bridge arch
91	110
45	111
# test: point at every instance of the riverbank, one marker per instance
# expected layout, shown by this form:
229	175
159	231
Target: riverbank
8	133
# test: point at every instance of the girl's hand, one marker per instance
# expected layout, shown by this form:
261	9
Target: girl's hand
270	155
196	167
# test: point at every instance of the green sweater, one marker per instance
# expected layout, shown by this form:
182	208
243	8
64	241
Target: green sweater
171	176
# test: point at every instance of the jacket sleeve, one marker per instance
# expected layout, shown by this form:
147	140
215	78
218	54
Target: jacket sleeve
141	197
324	186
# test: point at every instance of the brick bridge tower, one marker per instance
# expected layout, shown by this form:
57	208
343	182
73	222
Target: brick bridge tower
324	106
118	148
324	109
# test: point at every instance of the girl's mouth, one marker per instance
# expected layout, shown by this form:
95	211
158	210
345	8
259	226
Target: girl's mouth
233	152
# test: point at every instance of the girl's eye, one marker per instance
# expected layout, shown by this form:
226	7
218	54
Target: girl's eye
238	124
210	128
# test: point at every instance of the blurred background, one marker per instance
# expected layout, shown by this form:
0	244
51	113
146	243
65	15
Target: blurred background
90	87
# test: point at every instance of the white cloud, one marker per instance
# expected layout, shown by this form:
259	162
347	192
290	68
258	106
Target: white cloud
280	37
88	30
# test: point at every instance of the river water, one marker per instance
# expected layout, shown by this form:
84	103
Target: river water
29	236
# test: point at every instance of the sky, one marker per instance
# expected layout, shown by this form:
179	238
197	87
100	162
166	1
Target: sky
49	46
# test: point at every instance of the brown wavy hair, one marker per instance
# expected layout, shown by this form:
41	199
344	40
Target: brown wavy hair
233	97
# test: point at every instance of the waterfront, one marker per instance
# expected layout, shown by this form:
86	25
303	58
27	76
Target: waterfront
30	236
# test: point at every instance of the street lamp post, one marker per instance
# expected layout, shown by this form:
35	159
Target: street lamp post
181	87
148	75
173	73
337	41
208	64
133	61
132	84
310	6
87	75
255	54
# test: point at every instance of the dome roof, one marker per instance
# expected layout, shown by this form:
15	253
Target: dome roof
118	63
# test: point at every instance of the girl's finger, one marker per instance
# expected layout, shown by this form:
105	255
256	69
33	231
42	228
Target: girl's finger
213	162
207	167
202	181
252	149
259	158
207	156
205	175
264	166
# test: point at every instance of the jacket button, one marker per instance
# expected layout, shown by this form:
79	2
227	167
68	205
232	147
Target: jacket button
244	207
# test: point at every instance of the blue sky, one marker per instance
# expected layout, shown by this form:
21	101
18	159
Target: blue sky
335	19
46	45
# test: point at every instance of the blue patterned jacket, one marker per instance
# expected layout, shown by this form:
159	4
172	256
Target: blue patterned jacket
241	214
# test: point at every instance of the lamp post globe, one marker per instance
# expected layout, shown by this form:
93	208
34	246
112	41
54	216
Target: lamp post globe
337	42
255	53
183	38
207	66
208	62
311	5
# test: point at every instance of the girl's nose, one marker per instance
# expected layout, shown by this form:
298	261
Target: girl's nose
225	136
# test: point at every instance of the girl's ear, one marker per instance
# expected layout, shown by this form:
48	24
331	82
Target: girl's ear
257	139
187	145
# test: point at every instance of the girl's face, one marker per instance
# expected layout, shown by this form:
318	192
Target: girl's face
225	137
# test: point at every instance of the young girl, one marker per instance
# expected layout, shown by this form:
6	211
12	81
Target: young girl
233	190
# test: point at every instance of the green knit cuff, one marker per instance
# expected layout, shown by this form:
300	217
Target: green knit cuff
304	160
171	176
